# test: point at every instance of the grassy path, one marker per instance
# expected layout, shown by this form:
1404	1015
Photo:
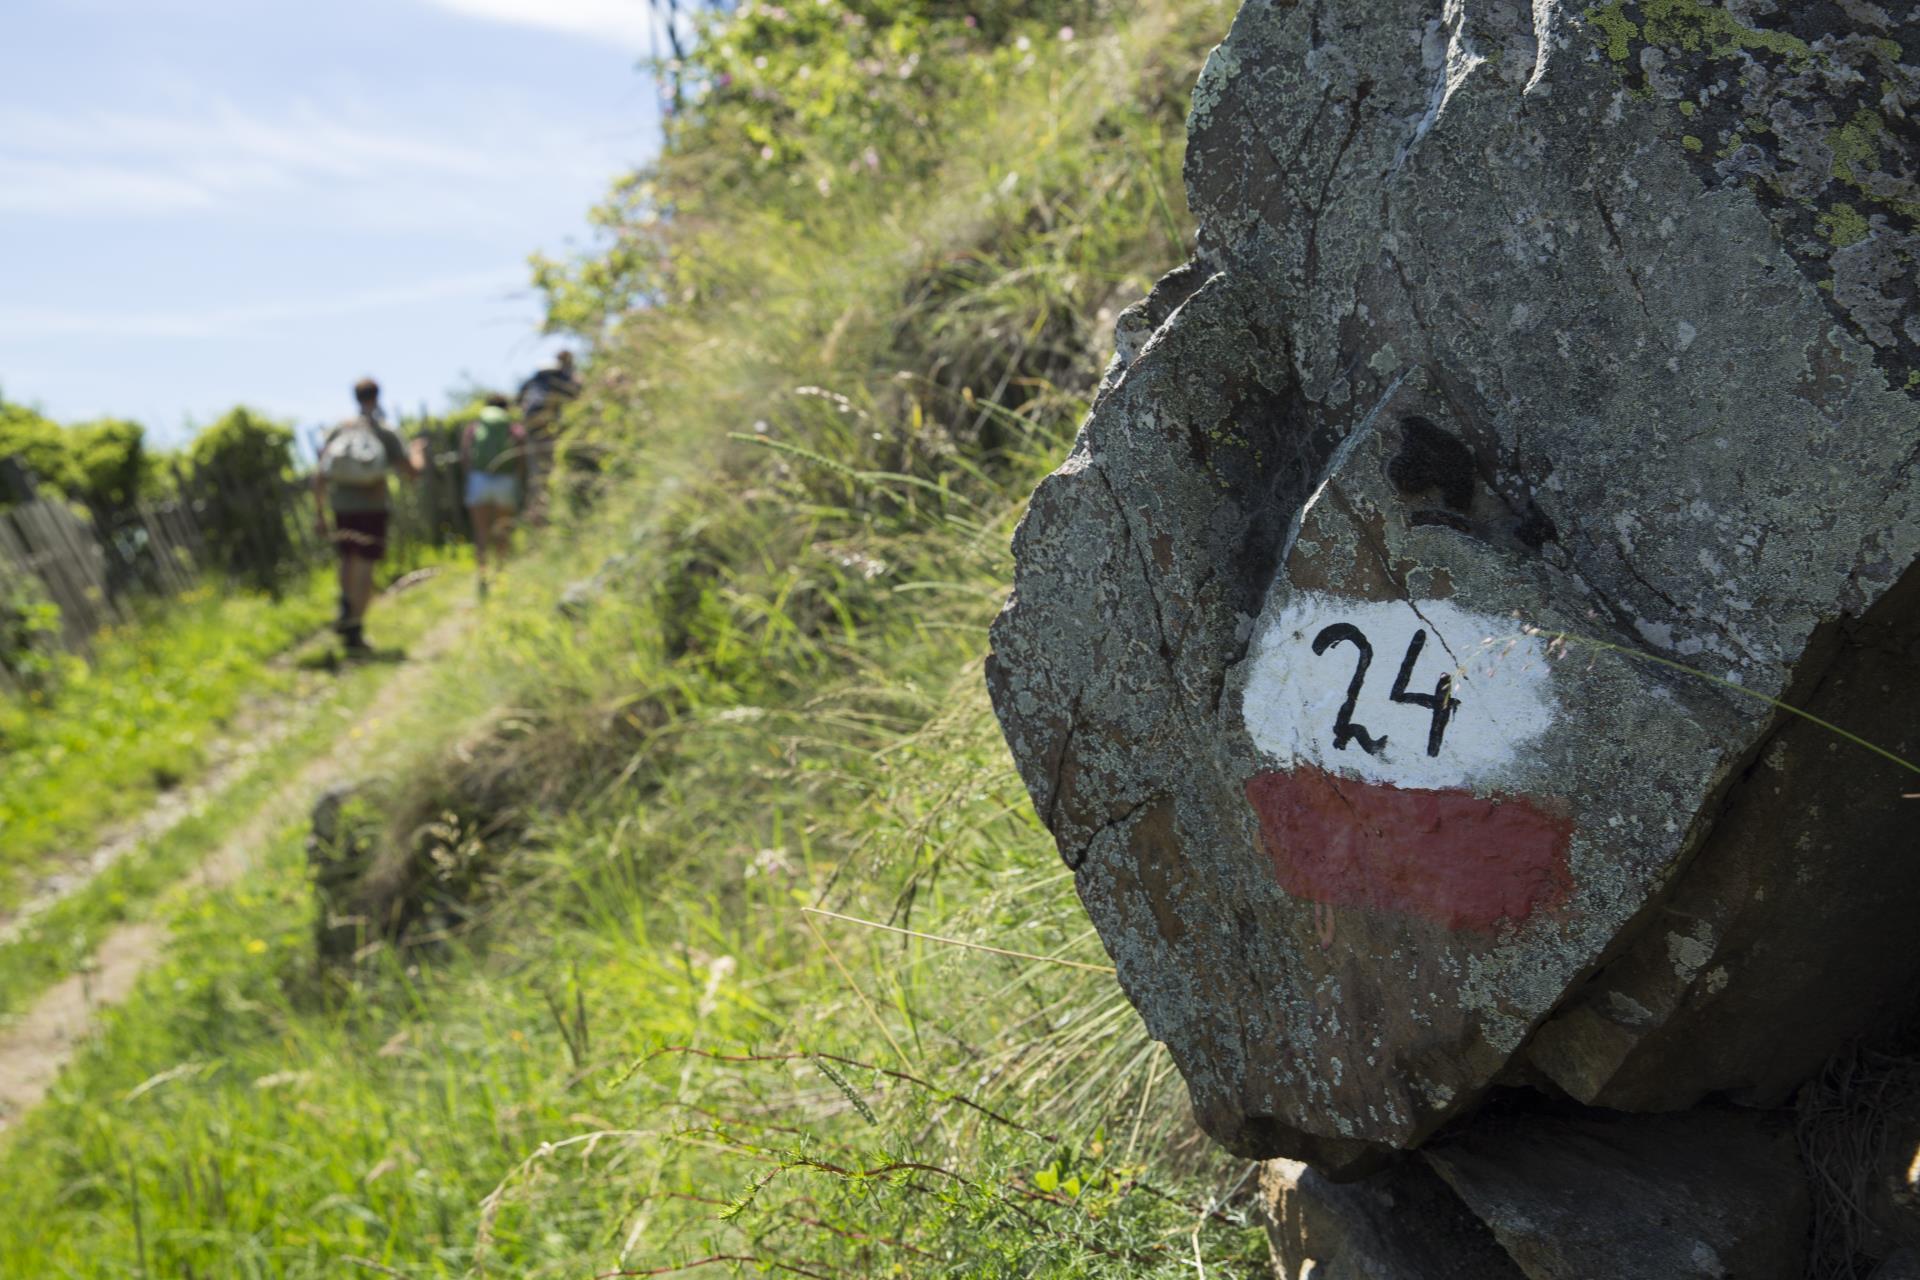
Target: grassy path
35	1047
264	721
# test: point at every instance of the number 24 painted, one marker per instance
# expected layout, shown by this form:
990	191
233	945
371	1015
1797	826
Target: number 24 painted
1440	702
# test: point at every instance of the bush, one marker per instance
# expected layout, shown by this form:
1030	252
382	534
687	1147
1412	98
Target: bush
110	463
39	446
29	633
103	464
837	82
782	108
244	474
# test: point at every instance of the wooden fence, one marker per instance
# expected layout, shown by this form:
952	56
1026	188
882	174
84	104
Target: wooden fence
94	566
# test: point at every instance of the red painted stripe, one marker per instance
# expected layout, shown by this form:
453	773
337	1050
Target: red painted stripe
1461	860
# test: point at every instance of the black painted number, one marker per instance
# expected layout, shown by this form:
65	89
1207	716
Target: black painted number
1440	703
1344	729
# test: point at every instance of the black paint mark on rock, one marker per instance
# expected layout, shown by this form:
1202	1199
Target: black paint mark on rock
1432	459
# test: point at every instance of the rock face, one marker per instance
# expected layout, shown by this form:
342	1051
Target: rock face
1392	657
1701	1196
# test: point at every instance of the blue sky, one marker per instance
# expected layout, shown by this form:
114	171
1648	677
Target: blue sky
205	202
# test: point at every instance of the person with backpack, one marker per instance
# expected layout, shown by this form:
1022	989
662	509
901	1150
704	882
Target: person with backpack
540	400
350	482
494	467
547	392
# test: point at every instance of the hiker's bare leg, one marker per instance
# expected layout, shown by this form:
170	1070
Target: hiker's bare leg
502	532
346	589
356	577
481	514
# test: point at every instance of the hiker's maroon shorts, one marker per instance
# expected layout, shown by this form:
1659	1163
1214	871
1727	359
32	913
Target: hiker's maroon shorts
360	533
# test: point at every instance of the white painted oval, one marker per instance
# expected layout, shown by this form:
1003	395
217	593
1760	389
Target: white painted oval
1501	680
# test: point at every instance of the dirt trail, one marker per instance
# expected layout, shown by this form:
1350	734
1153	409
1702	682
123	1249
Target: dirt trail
261	724
35	1048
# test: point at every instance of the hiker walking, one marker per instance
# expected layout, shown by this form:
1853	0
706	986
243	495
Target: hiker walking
541	398
544	394
494	466
350	481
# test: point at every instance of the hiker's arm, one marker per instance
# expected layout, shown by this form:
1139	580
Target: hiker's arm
320	501
409	460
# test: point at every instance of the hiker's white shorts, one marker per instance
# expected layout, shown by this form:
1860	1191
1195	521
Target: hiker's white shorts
485	489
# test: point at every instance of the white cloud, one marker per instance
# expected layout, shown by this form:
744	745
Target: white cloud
31	184
628	23
19	323
209	153
303	162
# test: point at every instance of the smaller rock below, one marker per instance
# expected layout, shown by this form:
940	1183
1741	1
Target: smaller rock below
1904	1265
1401	1223
338	852
1704	1195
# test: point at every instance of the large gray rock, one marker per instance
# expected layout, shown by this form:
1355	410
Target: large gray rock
1402	626
1700	1196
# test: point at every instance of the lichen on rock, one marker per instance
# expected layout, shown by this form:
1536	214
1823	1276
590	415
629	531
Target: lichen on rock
1812	107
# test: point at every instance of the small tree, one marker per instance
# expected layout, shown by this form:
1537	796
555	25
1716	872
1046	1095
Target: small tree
111	464
243	467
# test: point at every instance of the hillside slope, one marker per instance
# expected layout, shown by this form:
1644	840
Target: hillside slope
610	1009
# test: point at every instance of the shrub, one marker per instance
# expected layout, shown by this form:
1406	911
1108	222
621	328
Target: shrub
29	633
244	477
39	446
103	464
110	463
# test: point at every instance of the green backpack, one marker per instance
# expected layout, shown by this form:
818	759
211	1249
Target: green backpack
492	448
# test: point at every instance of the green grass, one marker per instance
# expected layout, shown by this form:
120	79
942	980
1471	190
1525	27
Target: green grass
59	939
614	1043
511	1103
138	719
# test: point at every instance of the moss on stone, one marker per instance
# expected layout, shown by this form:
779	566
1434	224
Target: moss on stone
1691	25
1843	225
1618	29
1750	94
1856	145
